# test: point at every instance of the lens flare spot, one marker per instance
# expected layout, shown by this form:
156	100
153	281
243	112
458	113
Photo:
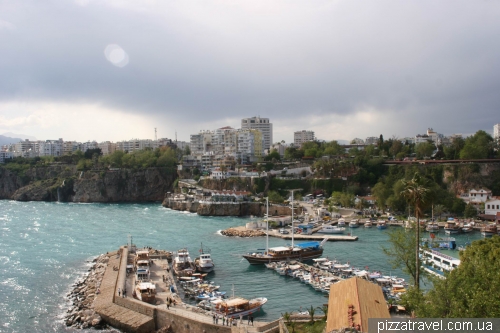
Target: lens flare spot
116	55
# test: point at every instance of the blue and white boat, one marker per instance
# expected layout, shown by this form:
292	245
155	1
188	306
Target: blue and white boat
381	225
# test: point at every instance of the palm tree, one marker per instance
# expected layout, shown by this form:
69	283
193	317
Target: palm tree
415	194
439	210
311	311
324	309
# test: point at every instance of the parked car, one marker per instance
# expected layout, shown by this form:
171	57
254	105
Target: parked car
284	231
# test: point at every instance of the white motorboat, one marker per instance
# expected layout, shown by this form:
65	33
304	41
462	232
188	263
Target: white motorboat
330	229
341	222
204	263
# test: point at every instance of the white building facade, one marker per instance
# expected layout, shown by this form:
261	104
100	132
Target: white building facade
263	125
301	137
496	131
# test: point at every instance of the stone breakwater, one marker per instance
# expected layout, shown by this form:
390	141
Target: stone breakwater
81	313
242	232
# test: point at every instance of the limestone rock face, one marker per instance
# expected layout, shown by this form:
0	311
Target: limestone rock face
66	184
226	209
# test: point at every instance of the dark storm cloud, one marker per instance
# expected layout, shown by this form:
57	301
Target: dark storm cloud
425	63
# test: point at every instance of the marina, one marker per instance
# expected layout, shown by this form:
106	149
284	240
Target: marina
27	273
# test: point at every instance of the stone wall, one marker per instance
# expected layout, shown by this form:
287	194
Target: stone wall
182	324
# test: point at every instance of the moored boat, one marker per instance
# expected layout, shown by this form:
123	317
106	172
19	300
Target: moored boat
183	264
238	307
489	230
341	222
368	224
451	227
299	252
432	227
204	263
467	228
330	229
354	224
381	225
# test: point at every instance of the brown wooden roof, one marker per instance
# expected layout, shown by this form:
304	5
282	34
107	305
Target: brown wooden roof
360	297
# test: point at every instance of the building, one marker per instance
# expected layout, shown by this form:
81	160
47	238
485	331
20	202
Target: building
250	144
51	148
357	141
352	302
263	125
492	207
496	131
478	196
5	155
107	147
300	137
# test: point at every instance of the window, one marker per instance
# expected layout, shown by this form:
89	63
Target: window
488	207
497	207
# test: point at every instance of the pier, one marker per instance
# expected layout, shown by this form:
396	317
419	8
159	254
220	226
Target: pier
131	315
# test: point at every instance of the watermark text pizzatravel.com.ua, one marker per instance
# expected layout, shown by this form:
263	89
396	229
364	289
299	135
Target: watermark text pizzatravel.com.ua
379	325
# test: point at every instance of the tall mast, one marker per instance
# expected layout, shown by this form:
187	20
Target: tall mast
267	225
293	230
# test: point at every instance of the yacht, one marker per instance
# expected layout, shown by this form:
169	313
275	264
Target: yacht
329	229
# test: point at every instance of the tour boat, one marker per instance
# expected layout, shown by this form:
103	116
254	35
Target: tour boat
451	227
238	307
438	263
299	252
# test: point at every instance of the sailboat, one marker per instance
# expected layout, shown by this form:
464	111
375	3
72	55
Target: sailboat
300	251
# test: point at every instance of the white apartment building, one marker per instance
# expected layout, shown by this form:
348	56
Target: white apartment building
431	135
182	145
496	131
136	144
89	145
261	124
250	146
51	148
5	155
478	196
300	137
357	141
200	143
280	148
107	147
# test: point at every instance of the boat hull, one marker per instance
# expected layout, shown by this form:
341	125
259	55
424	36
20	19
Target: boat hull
263	259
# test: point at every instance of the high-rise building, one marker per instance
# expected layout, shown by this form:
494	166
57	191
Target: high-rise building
496	131
300	137
263	125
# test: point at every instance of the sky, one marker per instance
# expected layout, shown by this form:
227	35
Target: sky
115	70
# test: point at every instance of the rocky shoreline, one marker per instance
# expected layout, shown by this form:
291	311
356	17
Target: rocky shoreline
242	232
81	314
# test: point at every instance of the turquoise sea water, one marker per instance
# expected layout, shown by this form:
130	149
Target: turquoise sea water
45	247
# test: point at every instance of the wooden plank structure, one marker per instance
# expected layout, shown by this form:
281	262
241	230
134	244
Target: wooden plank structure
352	302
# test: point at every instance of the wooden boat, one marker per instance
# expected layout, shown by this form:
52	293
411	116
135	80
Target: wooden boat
467	228
299	252
238	307
183	264
451	227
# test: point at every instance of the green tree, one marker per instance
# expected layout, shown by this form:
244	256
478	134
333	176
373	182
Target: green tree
275	197
415	194
478	146
470	211
439	210
424	149
401	251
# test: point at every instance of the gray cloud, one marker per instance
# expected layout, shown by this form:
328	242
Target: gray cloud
418	63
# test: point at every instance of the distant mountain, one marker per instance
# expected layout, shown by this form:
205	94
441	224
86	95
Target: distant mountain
22	136
5	140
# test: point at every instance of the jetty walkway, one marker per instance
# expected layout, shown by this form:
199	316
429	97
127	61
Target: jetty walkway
131	315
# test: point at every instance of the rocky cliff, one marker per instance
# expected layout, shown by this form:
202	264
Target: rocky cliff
66	184
226	209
